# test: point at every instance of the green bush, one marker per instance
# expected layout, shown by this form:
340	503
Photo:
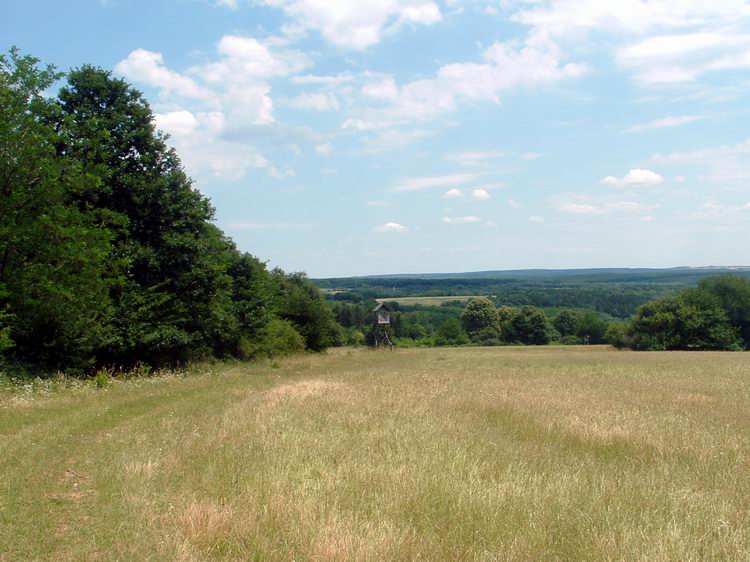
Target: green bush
450	332
101	379
617	335
570	340
277	338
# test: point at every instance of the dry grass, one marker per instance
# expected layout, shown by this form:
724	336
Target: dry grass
431	454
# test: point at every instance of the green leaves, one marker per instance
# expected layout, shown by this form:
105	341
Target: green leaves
107	252
709	317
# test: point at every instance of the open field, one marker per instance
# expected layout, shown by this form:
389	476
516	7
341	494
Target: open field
433	454
427	301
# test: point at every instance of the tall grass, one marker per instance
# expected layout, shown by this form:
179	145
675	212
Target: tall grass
433	454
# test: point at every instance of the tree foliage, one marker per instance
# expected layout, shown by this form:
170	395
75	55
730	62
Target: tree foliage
108	254
529	325
693	320
480	319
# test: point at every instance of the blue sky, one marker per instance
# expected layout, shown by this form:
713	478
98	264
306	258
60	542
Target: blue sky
381	136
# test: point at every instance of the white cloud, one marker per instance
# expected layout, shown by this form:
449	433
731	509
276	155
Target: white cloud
148	68
392	139
505	66
325	149
581	209
513	203
725	163
390	227
428	182
536	218
664	122
667	41
336	80
635	177
247	59
385	89
475	158
461	220
215	111
315	101
684	58
480	195
453	194
356	25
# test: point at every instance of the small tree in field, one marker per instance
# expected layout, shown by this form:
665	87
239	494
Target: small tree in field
530	326
480	318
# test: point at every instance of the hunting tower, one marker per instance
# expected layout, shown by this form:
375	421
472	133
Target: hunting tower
381	324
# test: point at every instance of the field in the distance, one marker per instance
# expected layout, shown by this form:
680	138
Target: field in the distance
433	454
427	301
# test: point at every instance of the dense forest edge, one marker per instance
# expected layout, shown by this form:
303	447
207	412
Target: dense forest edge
109	258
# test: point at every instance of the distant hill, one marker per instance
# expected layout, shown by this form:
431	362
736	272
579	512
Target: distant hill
608	273
614	291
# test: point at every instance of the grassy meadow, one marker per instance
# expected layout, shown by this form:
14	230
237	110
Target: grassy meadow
551	453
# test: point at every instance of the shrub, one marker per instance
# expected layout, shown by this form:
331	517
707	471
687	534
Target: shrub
101	379
570	340
451	333
617	335
279	337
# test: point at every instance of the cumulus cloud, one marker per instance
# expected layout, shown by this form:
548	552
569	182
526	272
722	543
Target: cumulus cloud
461	220
480	195
453	194
536	218
390	227
634	178
385	89
213	106
148	68
505	66
355	25
666	41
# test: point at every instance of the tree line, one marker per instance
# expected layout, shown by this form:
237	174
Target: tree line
108	254
715	315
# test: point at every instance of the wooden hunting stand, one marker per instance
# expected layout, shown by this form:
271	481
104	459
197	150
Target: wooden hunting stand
380	326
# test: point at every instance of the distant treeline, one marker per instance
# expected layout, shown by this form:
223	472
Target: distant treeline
479	322
713	316
108	255
617	293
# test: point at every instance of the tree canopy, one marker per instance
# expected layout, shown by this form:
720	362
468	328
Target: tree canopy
108	254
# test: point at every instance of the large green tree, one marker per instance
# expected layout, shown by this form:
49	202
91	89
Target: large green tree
481	321
52	253
168	266
692	320
529	325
